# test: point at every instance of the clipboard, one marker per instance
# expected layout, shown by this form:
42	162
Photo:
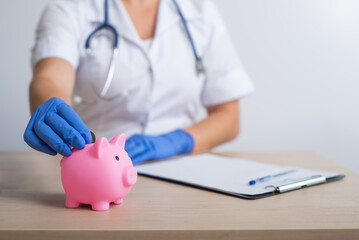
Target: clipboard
231	176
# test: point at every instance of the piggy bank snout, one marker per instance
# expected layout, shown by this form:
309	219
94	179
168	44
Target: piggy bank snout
130	176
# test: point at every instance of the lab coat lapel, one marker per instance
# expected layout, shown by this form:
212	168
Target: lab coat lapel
168	15
124	25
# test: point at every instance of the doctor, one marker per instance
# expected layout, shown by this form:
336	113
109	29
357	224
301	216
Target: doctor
164	72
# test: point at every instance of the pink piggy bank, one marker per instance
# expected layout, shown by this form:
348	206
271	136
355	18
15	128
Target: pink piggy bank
98	174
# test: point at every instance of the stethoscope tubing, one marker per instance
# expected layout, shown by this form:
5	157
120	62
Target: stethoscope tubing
115	51
199	65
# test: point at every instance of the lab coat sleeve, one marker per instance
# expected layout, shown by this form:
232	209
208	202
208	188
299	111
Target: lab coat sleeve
57	33
225	79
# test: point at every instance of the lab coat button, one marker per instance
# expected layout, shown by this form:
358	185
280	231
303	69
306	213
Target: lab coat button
77	99
124	93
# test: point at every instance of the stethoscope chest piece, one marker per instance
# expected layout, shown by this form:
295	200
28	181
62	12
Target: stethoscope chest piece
199	66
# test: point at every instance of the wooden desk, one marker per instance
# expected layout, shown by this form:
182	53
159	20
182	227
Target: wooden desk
32	206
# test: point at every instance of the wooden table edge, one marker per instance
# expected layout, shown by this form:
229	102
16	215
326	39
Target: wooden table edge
254	234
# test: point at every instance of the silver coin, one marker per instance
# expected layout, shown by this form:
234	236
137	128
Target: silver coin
93	137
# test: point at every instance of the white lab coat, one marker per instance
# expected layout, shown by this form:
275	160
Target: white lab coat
161	90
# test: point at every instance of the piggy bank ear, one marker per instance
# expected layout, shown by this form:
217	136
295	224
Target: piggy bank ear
119	140
100	147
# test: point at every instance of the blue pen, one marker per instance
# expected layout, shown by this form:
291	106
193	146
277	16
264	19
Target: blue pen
267	178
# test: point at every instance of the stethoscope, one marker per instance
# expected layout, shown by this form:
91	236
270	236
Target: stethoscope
111	70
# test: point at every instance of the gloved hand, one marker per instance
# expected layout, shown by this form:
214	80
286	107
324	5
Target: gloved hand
141	147
55	127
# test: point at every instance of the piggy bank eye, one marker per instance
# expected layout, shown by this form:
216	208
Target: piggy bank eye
117	158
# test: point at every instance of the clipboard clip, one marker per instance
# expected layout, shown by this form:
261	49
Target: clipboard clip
313	180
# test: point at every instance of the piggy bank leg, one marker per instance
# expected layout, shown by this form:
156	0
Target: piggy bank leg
71	203
118	201
100	206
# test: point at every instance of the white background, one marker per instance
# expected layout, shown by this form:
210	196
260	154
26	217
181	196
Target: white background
303	56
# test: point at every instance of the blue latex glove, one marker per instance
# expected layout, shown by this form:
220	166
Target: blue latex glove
55	127
141	147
